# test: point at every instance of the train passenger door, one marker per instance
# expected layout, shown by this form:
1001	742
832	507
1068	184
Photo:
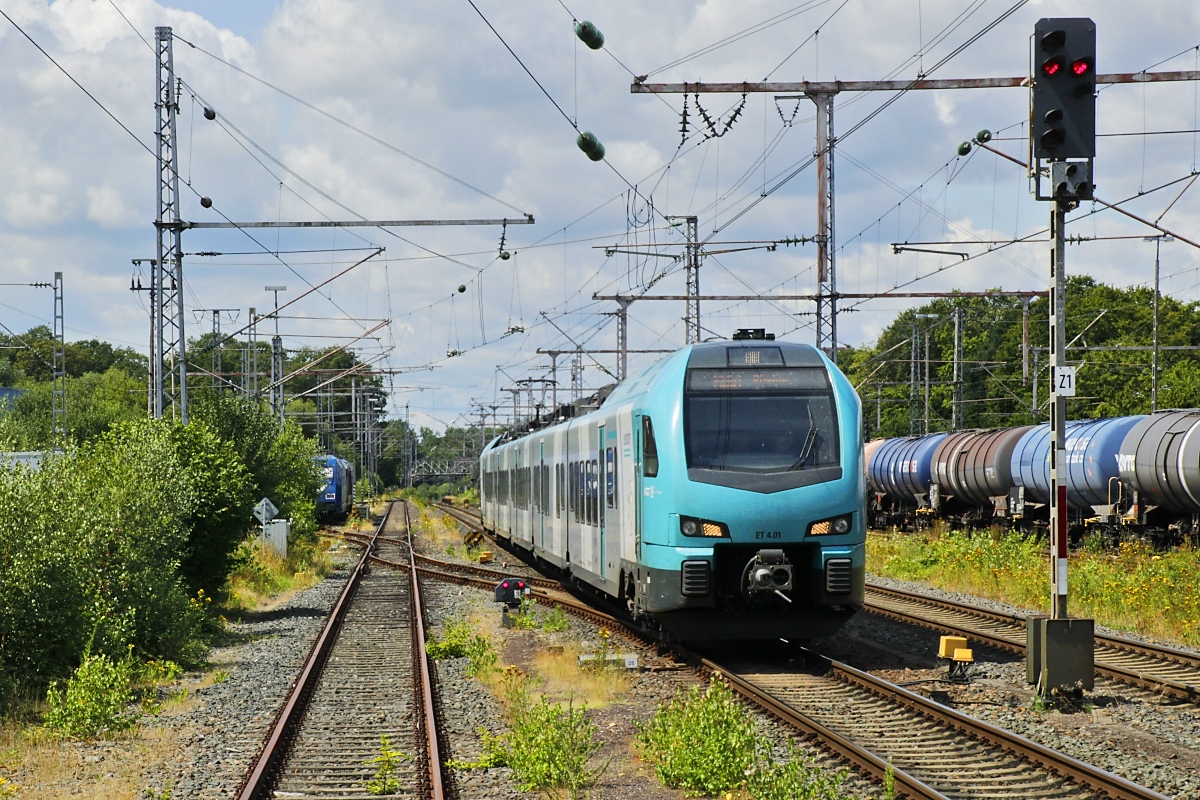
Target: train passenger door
639	483
610	500
601	482
542	494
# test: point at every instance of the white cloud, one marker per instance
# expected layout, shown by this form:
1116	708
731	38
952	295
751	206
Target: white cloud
431	79
106	207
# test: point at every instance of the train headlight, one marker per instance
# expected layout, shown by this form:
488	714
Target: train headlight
690	526
837	525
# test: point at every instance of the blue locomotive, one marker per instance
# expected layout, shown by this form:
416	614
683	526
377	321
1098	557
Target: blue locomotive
718	494
1137	475
336	497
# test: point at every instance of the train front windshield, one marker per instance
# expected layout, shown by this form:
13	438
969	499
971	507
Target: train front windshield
760	420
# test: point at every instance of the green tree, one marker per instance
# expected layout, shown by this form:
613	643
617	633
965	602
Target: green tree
995	393
222	511
95	402
279	459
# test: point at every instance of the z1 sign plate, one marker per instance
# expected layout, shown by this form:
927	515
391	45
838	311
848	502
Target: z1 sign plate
1064	381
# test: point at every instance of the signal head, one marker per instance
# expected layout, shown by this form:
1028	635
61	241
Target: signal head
1053	40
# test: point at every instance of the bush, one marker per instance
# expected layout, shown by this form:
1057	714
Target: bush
455	635
224	503
705	743
701	742
279	459
481	656
547	746
94	700
556	620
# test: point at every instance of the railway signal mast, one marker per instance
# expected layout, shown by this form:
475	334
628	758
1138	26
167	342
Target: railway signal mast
1063	148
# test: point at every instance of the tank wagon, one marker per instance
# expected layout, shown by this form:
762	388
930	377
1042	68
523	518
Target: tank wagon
718	494
1137	475
336	496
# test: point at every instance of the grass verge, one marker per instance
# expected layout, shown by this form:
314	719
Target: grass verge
1132	588
261	576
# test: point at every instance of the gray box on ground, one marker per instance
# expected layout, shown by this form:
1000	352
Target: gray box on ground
275	536
1061	653
1034	625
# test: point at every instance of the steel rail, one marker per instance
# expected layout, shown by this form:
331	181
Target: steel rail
463	515
494	575
425	682
1094	778
1105	644
259	781
1109	648
830	739
843	747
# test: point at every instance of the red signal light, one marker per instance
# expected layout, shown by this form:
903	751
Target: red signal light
1052	67
504	585
1081	66
521	584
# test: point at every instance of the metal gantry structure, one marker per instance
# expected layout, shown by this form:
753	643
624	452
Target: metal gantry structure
168	390
822	94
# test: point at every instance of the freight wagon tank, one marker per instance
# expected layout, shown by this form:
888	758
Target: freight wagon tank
868	453
902	467
1093	452
975	466
1161	457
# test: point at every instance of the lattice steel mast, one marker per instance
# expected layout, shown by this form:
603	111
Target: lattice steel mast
169	357
58	407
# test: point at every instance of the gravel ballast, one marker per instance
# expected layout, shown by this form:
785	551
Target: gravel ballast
220	734
1150	740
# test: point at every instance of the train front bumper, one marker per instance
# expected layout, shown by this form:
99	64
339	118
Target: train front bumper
698	592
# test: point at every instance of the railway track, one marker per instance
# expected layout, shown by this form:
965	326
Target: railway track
877	727
1162	670
366	678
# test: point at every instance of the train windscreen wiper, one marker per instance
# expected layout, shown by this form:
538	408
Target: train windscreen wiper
809	441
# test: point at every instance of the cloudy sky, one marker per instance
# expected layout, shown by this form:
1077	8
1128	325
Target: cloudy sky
418	110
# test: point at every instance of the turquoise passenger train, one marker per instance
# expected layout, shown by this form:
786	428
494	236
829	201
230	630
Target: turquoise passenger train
718	495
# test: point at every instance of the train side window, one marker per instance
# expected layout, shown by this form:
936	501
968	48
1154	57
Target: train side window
582	489
587	491
649	449
581	492
591	493
610	477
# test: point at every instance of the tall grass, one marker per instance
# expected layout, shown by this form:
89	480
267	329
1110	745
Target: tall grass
261	575
1132	588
